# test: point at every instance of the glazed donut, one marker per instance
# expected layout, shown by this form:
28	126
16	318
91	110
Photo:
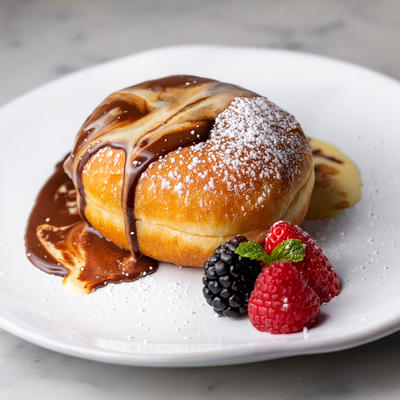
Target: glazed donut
174	167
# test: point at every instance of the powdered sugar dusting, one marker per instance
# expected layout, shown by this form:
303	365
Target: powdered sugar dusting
253	145
254	130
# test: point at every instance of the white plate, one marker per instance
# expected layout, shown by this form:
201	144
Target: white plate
162	320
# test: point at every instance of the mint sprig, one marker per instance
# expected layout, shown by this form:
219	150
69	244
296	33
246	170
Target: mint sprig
254	251
293	250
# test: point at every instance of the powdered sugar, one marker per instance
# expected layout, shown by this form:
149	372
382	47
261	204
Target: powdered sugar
253	144
255	131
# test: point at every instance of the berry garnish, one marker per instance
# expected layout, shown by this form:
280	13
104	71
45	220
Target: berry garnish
315	269
229	279
281	301
232	269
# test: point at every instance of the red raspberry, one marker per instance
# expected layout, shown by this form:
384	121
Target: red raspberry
316	269
281	302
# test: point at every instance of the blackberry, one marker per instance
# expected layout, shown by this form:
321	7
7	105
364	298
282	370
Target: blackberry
229	279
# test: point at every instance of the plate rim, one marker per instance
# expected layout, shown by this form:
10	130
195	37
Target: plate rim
228	356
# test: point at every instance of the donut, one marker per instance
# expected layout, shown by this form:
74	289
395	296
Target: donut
172	168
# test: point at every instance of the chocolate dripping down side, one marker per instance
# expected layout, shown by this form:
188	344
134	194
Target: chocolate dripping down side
140	154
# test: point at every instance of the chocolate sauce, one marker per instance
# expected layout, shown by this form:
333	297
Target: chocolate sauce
103	127
58	238
53	209
149	153
55	227
172	81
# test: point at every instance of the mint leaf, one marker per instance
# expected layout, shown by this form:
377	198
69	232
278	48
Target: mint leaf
293	250
253	251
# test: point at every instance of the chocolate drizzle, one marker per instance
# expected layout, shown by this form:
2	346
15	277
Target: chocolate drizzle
146	121
149	153
153	138
320	153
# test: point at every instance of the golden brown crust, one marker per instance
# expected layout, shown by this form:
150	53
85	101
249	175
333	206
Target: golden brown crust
185	229
165	240
194	250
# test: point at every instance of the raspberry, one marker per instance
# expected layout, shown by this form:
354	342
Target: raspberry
229	279
281	301
316	269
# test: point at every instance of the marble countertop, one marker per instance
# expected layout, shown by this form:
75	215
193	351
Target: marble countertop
41	40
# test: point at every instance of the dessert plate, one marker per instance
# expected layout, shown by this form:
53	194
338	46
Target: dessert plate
163	320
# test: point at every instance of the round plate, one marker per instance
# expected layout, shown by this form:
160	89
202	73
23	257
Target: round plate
163	320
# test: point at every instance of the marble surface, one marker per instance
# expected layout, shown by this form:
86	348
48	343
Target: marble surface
42	39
